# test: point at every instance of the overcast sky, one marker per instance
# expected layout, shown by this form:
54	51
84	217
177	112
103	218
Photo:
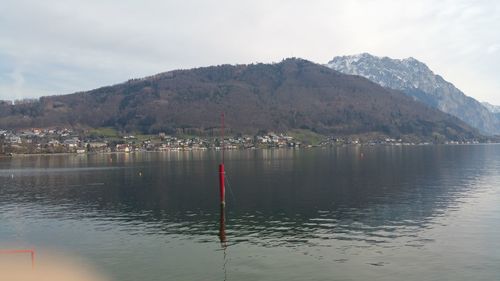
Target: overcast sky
57	47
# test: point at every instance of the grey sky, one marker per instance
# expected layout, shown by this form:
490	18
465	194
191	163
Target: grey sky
57	47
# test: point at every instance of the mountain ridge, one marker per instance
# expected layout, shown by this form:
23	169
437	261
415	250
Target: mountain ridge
492	108
417	80
291	94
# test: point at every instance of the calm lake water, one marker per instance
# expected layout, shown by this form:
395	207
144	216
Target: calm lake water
347	213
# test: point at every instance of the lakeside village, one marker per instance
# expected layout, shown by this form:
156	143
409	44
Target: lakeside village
38	141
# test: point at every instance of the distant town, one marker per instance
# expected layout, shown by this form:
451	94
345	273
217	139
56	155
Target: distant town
65	140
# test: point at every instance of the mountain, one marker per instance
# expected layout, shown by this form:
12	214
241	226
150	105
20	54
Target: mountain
416	80
292	94
495	109
492	108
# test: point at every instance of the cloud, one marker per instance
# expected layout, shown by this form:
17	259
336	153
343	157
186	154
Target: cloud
493	48
56	47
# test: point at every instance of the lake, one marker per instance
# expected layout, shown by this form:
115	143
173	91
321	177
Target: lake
341	213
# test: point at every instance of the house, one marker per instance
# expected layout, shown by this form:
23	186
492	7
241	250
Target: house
54	143
72	143
97	145
122	147
14	139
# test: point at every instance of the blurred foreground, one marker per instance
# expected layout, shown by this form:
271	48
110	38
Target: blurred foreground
48	267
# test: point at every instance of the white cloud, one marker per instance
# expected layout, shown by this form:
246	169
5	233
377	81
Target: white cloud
72	45
493	49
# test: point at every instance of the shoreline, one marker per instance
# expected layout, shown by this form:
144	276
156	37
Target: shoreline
15	155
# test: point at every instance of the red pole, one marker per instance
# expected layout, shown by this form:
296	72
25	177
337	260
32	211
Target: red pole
222	187
222	120
222	227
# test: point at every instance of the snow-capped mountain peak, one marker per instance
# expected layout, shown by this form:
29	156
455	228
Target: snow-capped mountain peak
393	73
492	108
415	79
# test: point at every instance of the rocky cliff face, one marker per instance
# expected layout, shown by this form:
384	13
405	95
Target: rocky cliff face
415	79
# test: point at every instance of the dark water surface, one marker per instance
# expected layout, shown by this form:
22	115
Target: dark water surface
347	213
